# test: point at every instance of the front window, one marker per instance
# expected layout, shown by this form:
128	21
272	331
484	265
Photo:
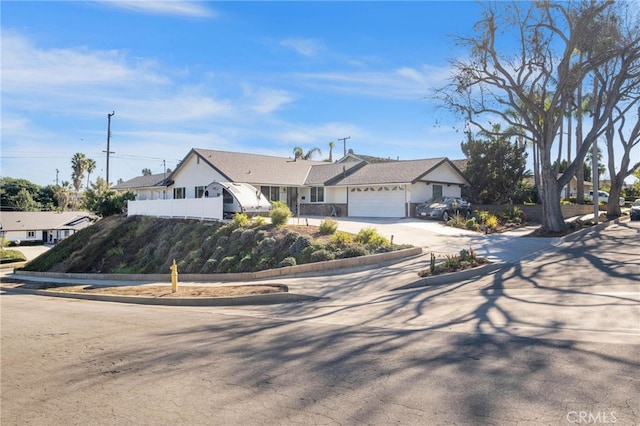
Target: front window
317	194
199	191
437	191
271	193
31	234
178	193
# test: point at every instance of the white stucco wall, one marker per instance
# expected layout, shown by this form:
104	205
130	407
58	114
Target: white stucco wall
335	195
194	173
444	173
445	176
332	195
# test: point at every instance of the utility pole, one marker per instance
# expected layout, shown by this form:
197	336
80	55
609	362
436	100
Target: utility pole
344	144
57	171
108	151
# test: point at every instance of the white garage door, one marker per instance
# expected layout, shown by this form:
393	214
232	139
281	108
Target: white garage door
377	201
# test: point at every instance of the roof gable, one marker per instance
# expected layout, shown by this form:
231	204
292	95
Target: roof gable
258	169
326	174
398	172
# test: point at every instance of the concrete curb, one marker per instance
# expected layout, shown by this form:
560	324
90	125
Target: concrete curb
452	277
492	267
254	299
242	276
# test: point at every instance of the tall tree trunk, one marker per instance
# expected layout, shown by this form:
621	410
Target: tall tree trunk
617	179
536	170
580	171
569	141
552	219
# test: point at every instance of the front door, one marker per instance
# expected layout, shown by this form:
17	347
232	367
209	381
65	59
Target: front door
292	199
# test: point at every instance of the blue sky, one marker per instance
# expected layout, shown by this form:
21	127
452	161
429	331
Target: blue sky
260	77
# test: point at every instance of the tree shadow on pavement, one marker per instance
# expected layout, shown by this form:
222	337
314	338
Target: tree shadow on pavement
473	352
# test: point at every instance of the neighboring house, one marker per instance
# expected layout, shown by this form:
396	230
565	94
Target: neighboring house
573	188
42	227
352	186
149	187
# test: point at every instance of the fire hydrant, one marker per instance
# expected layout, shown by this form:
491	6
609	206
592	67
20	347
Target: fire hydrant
174	277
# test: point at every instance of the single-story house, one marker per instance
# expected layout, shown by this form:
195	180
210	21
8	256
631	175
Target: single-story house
147	187
352	186
42	227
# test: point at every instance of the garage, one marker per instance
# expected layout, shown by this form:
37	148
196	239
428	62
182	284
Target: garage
377	201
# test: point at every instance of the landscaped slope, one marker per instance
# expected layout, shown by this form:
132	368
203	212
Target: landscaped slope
140	244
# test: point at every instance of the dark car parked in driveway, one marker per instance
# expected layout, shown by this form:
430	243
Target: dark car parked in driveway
443	208
635	210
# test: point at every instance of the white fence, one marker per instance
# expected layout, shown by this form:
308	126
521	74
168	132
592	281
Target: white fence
186	208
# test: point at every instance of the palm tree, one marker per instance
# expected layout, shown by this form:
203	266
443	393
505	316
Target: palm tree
78	167
62	194
331	145
91	166
298	153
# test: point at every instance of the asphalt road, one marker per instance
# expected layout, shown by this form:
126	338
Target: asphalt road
551	340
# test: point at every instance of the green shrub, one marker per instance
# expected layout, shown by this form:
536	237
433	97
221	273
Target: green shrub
370	237
280	215
301	243
240	220
468	255
245	265
3	242
227	264
278	204
247	238
258	220
115	251
492	221
321	255
209	266
328	226
341	238
513	214
457	221
9	256
287	261
471	225
266	246
355	251
482	216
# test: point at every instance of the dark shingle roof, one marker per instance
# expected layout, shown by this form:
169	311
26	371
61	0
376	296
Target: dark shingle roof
391	172
142	182
323	174
260	169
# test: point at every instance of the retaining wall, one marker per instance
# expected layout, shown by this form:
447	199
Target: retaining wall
242	276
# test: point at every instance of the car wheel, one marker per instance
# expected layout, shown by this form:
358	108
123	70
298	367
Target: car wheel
445	216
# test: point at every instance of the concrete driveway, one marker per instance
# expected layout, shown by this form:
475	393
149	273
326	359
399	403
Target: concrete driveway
31	252
435	237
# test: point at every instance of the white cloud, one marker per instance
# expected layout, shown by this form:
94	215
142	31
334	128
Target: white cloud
303	46
312	136
264	100
401	83
179	108
195	9
26	68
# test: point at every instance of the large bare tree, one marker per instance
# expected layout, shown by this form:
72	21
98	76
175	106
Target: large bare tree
526	62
